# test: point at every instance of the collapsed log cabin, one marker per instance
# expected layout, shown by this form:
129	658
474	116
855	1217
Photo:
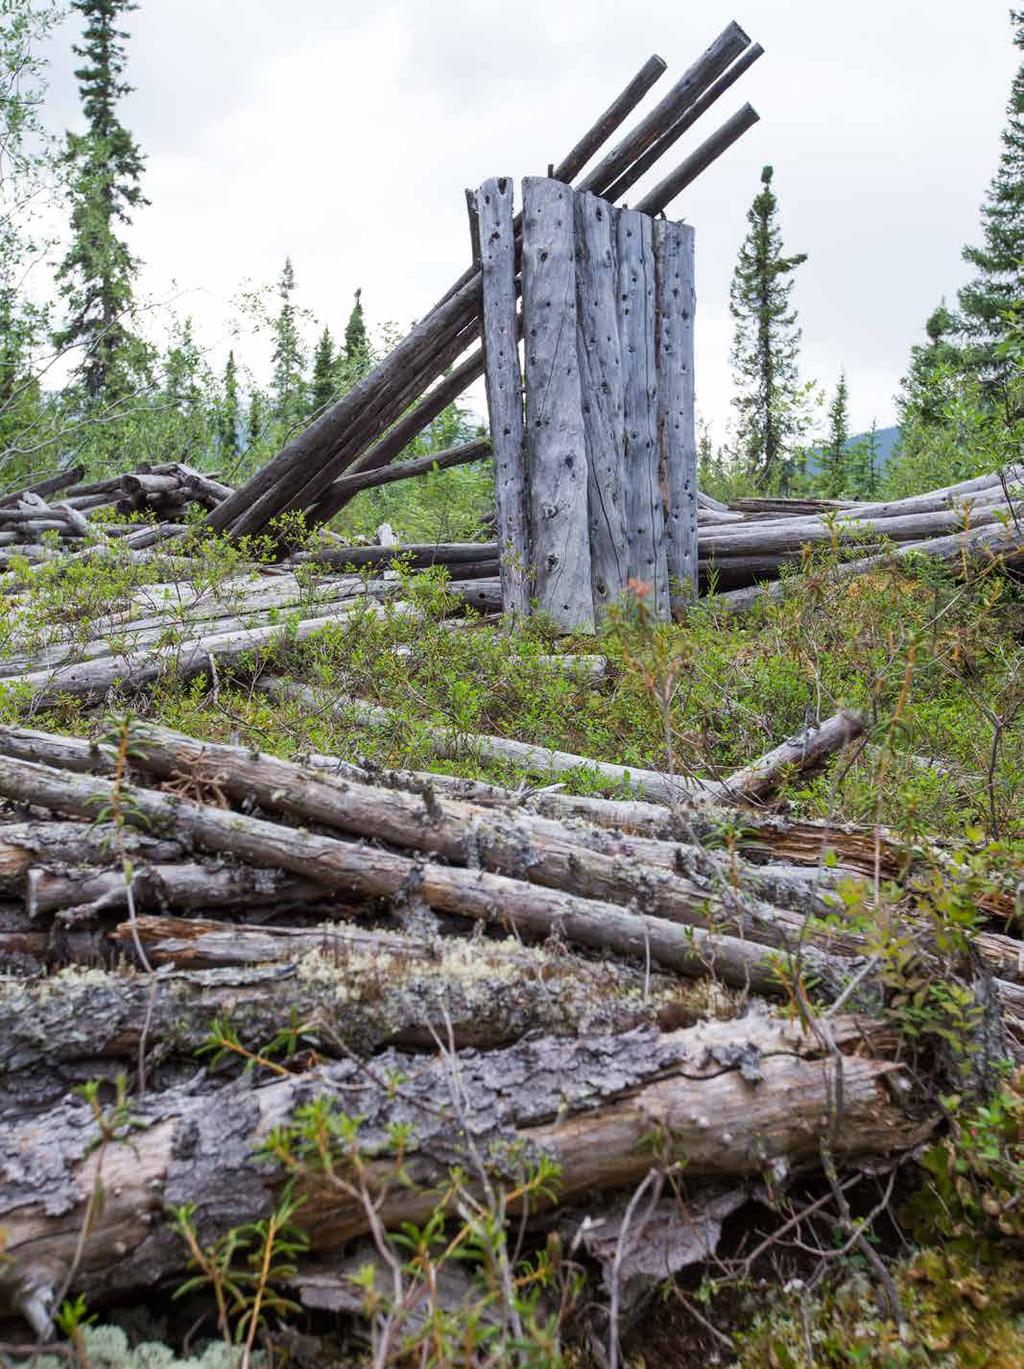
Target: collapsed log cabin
498	972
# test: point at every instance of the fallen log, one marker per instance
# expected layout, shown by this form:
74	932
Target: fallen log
987	546
130	670
535	910
417	554
735	1098
640	873
64	845
778	538
806	749
646	874
352	991
803	752
182	885
51	485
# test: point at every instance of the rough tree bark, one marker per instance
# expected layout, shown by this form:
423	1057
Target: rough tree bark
733	1098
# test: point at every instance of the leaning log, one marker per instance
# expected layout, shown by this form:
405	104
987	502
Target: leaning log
735	1098
669	110
370	478
668	139
662	195
331	444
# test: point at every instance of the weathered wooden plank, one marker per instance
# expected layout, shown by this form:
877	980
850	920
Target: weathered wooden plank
493	203
556	446
600	363
645	519
674	280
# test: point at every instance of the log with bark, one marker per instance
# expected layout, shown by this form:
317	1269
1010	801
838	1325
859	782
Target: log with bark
534	910
735	1099
344	989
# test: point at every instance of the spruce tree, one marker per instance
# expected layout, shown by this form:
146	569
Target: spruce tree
256	420
289	384
862	466
105	168
26	166
925	387
833	455
357	347
998	285
770	403
324	384
228	412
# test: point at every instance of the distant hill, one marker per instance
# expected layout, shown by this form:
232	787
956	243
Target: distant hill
885	439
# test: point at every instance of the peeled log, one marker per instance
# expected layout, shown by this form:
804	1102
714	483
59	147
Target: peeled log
586	886
590	1105
509	903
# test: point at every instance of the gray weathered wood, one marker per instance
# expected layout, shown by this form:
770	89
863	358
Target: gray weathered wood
504	388
645	519
590	1106
683	95
600	363
673	246
698	161
613	117
559	535
654	154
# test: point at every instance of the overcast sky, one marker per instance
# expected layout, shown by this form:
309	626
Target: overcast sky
344	134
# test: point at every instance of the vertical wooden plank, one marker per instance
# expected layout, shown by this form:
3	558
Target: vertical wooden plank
556	446
645	517
600	363
493	205
673	246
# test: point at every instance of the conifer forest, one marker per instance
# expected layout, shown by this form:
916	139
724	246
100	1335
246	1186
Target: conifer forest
503	860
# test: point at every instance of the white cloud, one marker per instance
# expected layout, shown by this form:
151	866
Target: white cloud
345	136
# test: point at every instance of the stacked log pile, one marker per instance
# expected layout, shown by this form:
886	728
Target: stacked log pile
974	522
66	506
749	542
158	887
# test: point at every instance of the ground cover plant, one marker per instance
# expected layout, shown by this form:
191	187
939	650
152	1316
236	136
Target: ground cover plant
933	662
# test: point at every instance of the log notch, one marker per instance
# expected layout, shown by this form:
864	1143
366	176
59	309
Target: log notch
556	444
673	247
645	515
600	362
493	204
